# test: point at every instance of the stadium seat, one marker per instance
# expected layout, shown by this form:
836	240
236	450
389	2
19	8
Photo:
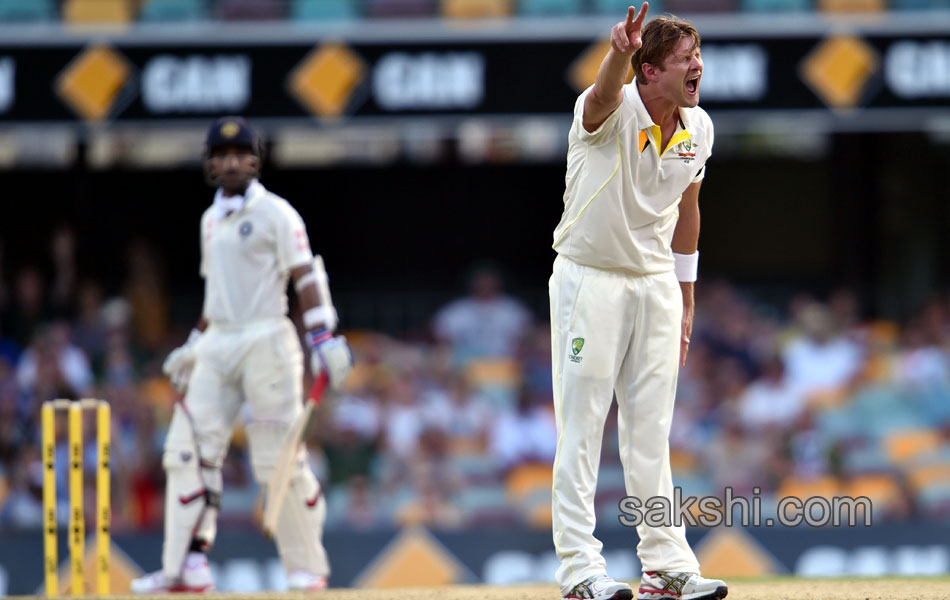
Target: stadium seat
485	505
851	6
881	488
758	6
679	7
489	372
476	9
526	479
536	509
618	8
825	487
324	10
251	10
548	8
26	11
170	11
401	8
610	477
85	12
473	468
694	485
934	500
837	423
905	445
867	458
920	4
927	476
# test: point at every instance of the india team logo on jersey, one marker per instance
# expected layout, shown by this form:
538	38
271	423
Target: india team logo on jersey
577	344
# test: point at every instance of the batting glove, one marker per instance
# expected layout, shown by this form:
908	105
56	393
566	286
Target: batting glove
331	355
181	361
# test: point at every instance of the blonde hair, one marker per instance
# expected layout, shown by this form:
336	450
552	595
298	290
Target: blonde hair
660	38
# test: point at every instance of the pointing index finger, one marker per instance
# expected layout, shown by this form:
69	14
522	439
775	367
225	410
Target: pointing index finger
630	12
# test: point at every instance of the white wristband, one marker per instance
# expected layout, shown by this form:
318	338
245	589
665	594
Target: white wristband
320	315
686	266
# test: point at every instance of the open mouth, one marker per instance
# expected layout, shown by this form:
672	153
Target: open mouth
692	85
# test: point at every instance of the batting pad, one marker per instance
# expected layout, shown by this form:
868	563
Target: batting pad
299	530
192	500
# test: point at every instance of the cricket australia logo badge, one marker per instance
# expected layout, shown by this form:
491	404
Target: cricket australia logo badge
577	344
687	153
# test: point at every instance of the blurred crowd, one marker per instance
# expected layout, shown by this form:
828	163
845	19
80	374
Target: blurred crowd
337	11
456	428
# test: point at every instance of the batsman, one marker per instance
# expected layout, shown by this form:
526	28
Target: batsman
246	350
622	297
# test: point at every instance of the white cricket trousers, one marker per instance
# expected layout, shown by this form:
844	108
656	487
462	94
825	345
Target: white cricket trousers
613	333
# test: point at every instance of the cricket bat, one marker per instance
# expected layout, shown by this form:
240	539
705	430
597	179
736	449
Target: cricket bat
280	477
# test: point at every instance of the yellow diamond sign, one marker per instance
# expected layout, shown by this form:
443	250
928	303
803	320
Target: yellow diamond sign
838	70
91	83
325	79
729	552
583	71
414	559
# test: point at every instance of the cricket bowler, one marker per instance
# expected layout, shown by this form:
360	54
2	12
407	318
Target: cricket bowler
622	297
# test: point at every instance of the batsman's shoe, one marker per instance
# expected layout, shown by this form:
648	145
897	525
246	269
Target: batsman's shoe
664	585
195	579
600	587
305	581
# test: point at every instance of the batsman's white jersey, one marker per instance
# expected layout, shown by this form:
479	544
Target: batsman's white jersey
250	353
616	311
246	257
621	196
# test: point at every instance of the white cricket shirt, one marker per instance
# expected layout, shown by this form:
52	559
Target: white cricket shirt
621	194
246	257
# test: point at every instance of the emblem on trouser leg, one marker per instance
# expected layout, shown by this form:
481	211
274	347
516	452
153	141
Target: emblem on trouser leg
577	344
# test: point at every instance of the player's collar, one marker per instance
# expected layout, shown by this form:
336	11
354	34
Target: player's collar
231	204
644	120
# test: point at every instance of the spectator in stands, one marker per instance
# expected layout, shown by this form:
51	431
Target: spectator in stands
739	460
52	367
461	413
924	360
770	402
486	323
29	308
822	359
147	296
90	330
526	433
63	255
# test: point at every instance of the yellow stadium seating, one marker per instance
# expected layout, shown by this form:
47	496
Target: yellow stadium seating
927	475
89	12
476	9
881	488
851	6
907	444
528	478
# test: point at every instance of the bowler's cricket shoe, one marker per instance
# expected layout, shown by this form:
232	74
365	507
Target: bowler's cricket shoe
195	579
600	587
667	585
305	581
